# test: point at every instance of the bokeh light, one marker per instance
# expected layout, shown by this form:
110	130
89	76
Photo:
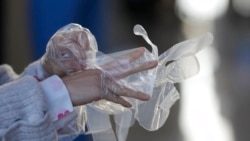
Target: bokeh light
204	10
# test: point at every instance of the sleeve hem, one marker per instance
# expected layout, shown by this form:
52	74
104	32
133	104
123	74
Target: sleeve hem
57	96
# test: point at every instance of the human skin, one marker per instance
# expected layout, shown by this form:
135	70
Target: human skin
65	56
66	51
90	85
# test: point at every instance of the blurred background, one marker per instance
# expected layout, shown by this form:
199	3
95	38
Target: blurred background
214	105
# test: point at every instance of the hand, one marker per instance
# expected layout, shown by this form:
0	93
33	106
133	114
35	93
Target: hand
66	48
93	84
122	63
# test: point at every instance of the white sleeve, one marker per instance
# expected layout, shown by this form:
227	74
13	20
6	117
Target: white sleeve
57	96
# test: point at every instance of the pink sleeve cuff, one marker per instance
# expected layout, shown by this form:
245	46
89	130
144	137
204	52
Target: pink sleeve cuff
57	96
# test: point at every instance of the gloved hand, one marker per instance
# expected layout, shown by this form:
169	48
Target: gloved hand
71	54
68	47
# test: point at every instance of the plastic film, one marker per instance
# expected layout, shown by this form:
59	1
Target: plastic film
73	48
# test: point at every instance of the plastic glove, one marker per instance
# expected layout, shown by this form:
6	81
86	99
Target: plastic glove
73	49
94	84
66	48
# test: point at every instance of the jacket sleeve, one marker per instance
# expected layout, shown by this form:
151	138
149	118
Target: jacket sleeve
23	111
60	108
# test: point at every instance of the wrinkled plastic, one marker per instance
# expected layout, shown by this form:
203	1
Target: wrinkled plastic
174	65
67	47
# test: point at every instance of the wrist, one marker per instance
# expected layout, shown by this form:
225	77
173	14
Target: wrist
57	96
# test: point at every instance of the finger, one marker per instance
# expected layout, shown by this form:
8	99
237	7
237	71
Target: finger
137	68
92	72
121	90
128	57
134	55
127	92
119	100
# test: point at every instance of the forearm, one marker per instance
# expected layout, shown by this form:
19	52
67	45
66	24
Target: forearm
60	108
23	110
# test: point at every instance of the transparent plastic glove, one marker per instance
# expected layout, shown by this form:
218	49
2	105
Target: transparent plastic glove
72	51
133	64
94	84
119	77
175	65
73	48
66	48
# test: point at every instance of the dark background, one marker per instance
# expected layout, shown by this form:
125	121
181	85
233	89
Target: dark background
27	25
